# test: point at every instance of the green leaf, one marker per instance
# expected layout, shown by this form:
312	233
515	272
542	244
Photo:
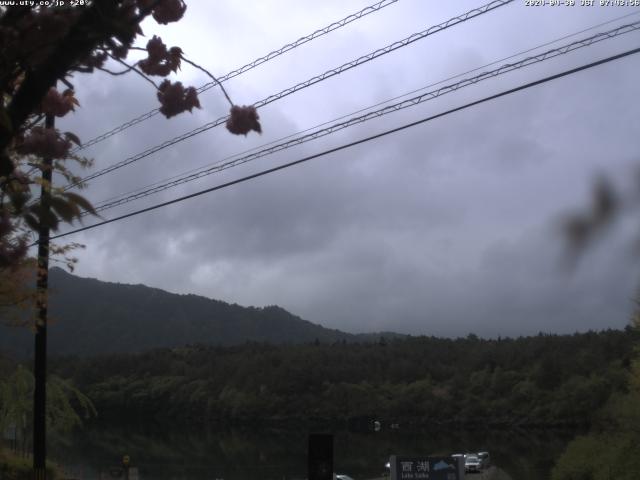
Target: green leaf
81	201
66	210
73	137
18	200
32	222
49	219
45	217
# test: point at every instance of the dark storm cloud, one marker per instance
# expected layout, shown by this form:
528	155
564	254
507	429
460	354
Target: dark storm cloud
447	228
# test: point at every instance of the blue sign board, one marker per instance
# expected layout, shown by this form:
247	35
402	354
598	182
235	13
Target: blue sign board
426	468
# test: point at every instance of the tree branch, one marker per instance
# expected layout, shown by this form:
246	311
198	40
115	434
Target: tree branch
37	120
111	72
133	68
86	33
209	74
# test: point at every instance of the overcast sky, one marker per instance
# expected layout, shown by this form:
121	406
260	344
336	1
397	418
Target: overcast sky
443	229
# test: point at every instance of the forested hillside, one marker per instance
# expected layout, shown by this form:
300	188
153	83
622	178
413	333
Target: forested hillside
89	317
546	380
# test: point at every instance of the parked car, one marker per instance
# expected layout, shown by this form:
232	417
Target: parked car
472	463
342	477
485	459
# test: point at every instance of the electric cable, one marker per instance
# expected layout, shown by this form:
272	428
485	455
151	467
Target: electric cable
220	166
318	78
249	66
206	167
352	144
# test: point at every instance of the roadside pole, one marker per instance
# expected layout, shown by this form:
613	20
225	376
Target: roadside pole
40	352
126	460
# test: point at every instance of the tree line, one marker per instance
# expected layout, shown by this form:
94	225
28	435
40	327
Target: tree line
544	380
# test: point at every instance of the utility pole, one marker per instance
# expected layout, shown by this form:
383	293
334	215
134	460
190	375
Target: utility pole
40	367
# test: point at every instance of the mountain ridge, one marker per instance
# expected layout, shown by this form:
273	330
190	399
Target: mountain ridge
90	316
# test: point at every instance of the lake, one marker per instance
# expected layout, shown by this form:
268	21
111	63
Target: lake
243	454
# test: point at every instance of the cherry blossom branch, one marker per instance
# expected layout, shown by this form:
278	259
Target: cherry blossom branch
67	83
111	72
132	68
143	12
209	74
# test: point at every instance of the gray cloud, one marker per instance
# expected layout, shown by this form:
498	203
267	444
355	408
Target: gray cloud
443	229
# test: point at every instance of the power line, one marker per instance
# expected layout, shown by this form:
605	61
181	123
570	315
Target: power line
318	78
207	167
170	183
352	144
249	66
140	193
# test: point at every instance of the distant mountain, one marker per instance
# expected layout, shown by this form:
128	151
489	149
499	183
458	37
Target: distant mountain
89	317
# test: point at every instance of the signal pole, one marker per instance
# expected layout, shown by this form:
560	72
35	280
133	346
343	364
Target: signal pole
40	351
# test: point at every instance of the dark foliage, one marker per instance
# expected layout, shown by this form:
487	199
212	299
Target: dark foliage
546	380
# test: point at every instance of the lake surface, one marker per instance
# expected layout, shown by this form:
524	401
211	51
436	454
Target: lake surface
246	454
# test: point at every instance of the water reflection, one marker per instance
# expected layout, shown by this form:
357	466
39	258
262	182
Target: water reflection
243	454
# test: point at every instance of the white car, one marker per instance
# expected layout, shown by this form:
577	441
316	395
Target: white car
472	463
